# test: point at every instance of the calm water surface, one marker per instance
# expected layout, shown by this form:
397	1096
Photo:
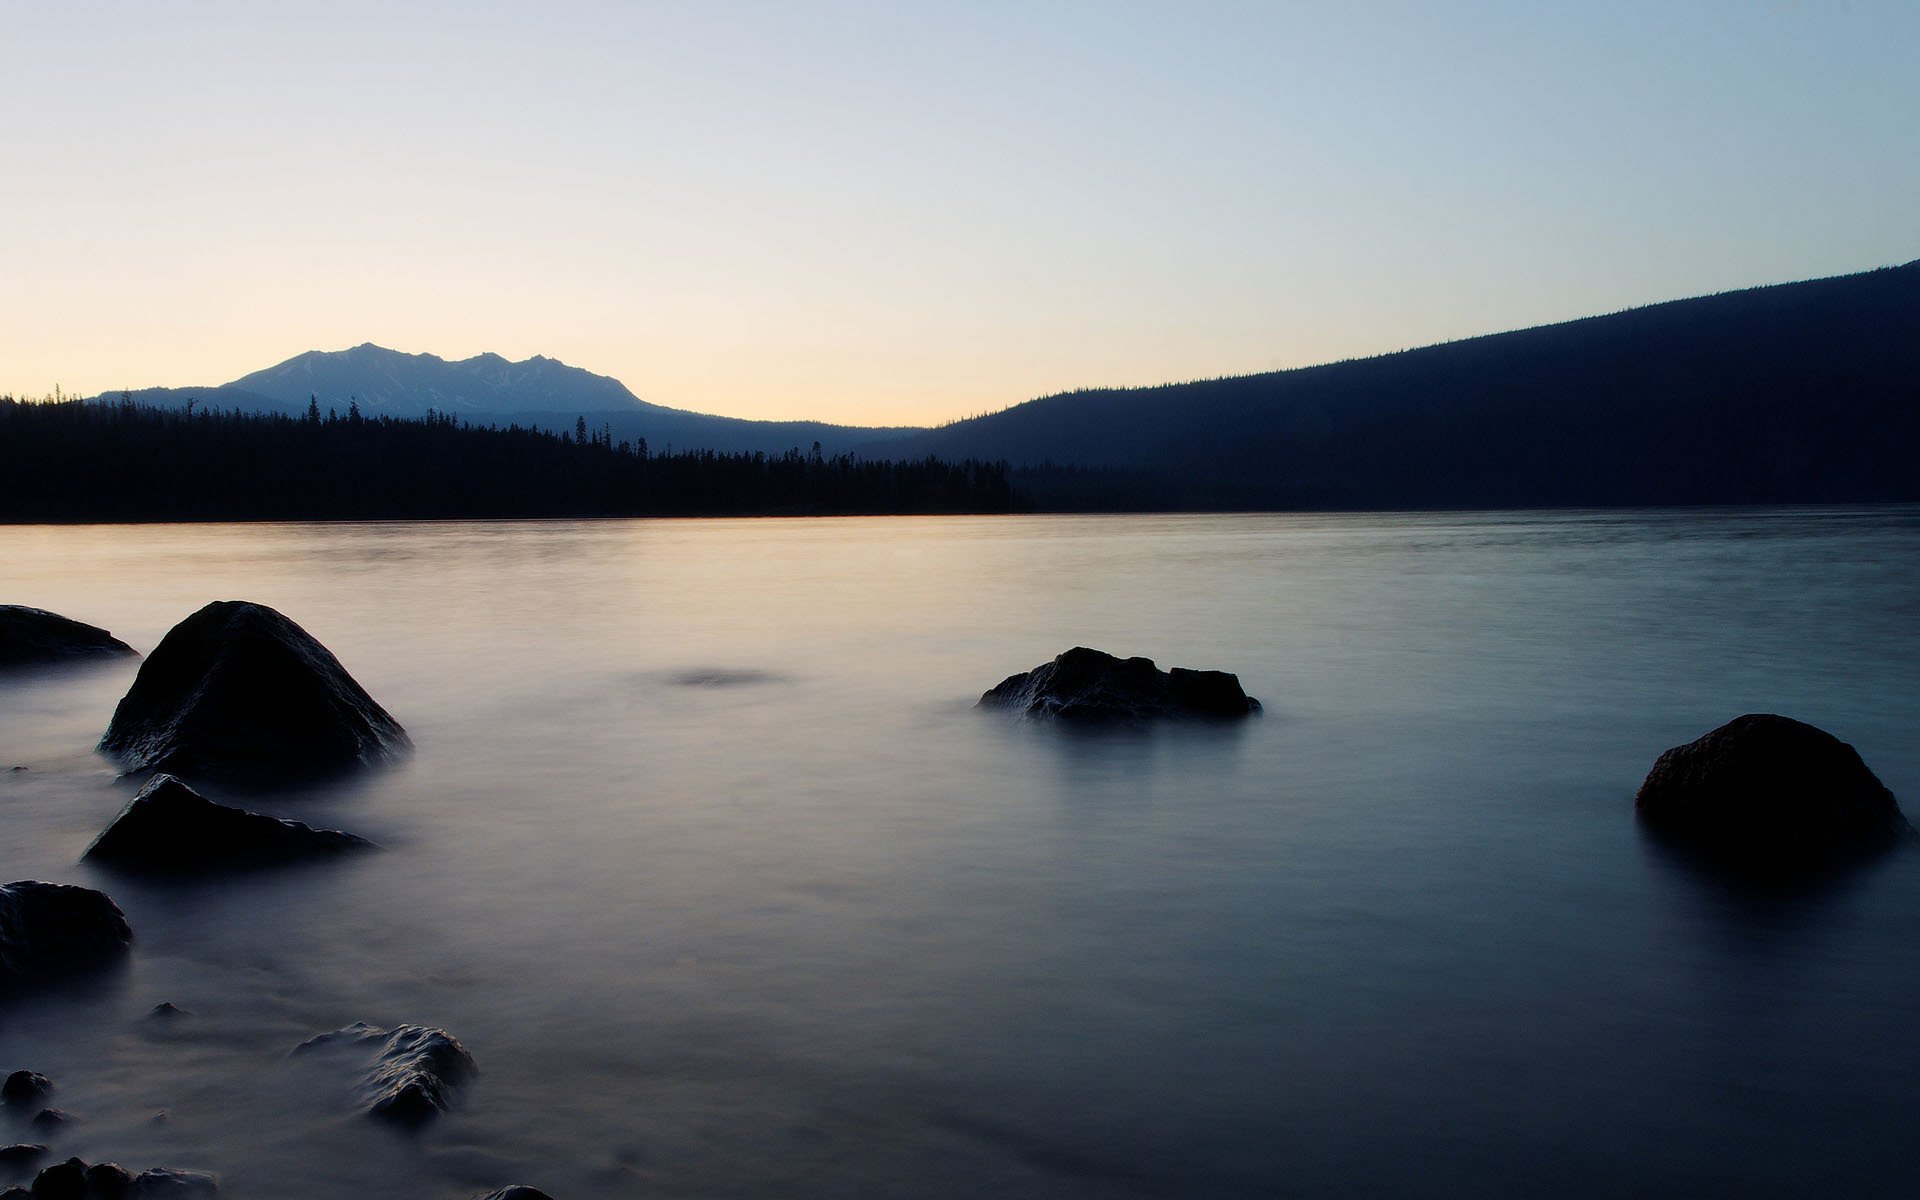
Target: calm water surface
706	858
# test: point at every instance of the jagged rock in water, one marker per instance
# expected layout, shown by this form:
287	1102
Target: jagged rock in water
49	1118
20	1153
170	828
24	1087
50	929
238	688
1094	686
518	1191
36	637
161	1183
413	1076
1770	794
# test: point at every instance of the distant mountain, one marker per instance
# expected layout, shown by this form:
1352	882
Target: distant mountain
1796	393
386	381
488	389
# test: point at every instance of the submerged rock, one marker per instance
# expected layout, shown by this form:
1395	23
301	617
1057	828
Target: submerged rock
49	929
35	637
518	1191
239	688
1092	685
163	1182
20	1153
1771	794
24	1087
170	828
413	1075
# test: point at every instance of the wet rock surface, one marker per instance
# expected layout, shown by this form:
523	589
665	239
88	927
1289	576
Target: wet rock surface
25	1087
51	929
1770	794
518	1191
1093	686
168	828
75	1180
32	637
413	1074
239	689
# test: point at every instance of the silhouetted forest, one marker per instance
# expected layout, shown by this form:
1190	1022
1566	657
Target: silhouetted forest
124	461
1798	393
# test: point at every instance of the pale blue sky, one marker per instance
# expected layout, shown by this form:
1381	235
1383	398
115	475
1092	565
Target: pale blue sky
889	212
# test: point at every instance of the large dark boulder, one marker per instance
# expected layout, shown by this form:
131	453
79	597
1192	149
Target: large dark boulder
168	828
1094	686
414	1073
1770	794
518	1191
237	688
51	929
35	637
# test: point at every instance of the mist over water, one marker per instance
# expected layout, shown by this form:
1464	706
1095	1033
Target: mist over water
707	859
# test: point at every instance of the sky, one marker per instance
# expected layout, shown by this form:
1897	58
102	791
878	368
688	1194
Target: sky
908	213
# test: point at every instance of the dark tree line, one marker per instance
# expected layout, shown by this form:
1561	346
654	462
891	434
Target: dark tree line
81	461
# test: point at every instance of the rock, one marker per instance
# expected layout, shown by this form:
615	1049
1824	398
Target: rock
16	1193
168	1182
50	1118
1772	794
518	1191
238	688
49	929
108	1181
168	828
34	637
25	1086
20	1153
1094	686
414	1074
61	1181
166	1010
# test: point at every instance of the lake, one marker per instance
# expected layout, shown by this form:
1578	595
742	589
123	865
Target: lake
706	857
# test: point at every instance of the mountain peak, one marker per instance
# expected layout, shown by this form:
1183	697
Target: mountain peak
401	384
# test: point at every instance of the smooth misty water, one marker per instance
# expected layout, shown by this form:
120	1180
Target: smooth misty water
707	860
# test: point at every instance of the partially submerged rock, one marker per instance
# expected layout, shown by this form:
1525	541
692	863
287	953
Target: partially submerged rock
413	1075
35	637
170	828
1768	793
75	1180
50	929
1092	685
25	1087
518	1191
61	1181
239	688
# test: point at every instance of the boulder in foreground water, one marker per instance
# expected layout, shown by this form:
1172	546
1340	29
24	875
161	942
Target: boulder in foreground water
238	688
1094	686
1772	794
168	828
52	929
414	1073
35	637
518	1191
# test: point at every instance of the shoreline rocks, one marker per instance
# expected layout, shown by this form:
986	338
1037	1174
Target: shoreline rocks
1768	794
238	688
1092	686
53	929
31	637
168	828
